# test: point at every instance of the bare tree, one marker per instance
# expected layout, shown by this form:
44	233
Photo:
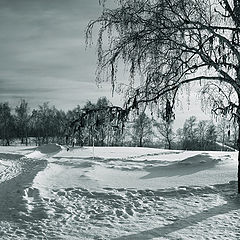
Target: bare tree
100	123
211	136
164	131
222	131
190	140
142	129
173	43
47	124
202	133
6	123
22	121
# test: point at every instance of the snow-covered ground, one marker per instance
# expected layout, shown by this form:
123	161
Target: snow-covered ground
117	193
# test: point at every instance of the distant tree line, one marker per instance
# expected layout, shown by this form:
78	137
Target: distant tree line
94	123
43	125
47	124
205	135
194	135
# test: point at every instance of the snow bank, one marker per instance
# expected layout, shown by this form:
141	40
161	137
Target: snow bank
113	152
49	148
45	150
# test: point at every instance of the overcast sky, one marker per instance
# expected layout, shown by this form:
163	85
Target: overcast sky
43	54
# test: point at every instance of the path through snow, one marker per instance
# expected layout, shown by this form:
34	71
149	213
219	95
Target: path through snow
123	193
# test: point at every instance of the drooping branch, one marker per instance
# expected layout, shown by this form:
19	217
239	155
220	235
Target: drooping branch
169	42
115	117
221	98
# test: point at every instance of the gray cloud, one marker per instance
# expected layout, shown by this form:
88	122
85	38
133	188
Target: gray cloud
42	52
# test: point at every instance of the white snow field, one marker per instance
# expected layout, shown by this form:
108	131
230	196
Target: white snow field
117	193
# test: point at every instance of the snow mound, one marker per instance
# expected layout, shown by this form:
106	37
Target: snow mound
203	158
188	166
49	148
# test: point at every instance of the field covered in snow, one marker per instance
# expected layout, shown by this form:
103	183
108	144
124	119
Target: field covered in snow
117	193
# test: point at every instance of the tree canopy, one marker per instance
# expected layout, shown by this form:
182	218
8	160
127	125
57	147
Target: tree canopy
172	42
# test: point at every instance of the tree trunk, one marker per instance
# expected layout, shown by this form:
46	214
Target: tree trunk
140	141
238	143
169	144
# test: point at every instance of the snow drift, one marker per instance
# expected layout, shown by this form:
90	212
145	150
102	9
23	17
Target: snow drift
49	148
45	150
122	193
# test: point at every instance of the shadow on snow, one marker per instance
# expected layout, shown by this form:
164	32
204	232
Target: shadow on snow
233	203
187	166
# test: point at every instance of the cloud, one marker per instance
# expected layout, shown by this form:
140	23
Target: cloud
42	50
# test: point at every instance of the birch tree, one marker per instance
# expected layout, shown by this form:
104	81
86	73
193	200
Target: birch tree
172	43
